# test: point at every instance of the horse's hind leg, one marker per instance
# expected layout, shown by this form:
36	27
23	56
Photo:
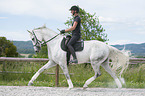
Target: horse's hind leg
46	66
106	66
96	66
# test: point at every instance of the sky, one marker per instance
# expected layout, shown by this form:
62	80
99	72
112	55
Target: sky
123	20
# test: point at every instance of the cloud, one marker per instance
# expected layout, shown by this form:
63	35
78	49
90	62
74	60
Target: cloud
14	6
51	9
118	17
122	20
15	35
3	17
108	19
140	32
120	42
47	9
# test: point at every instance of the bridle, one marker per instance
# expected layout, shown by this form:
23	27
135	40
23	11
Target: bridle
42	42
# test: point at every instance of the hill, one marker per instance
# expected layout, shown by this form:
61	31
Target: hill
136	49
26	47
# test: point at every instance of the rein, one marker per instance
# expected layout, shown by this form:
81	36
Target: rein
50	39
43	42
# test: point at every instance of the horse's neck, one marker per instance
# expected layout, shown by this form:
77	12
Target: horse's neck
53	44
48	34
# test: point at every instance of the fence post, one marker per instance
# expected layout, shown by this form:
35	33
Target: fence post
3	71
57	76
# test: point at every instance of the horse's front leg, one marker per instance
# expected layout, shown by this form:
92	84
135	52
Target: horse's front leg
66	73
46	66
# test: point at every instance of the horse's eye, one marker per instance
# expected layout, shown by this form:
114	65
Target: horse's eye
33	39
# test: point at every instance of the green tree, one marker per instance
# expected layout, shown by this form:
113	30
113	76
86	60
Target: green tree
7	49
91	28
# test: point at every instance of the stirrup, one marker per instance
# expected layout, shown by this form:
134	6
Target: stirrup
74	61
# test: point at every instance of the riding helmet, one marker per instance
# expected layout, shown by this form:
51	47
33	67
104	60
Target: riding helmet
75	8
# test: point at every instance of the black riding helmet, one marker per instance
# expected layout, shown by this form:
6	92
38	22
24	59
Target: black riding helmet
75	8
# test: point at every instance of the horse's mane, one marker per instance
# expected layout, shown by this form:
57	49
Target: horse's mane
44	26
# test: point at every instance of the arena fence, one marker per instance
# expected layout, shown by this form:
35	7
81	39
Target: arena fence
10	59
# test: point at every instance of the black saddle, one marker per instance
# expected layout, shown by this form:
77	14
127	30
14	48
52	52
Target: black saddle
78	46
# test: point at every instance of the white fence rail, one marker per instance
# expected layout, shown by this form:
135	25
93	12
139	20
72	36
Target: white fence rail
137	60
23	59
132	60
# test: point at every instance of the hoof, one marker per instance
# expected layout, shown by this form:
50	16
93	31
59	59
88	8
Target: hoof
70	88
30	83
85	87
119	87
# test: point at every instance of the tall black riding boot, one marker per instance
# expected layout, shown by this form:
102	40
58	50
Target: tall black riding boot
68	57
70	44
72	51
74	61
74	58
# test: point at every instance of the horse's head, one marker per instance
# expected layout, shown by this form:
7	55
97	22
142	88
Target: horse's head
40	36
36	42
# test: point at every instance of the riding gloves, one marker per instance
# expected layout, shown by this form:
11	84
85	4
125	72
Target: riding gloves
62	31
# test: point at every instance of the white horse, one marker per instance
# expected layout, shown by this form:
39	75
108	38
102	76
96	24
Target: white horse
96	52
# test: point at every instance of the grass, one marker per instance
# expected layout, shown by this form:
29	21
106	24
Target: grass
134	76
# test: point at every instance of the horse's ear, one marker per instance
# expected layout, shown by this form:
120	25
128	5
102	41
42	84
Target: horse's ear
44	26
29	31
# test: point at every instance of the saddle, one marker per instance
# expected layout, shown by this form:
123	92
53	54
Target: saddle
78	46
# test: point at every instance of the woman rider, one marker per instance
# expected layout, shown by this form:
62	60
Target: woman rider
76	32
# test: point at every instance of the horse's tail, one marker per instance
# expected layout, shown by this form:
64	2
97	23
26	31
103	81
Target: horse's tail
119	59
